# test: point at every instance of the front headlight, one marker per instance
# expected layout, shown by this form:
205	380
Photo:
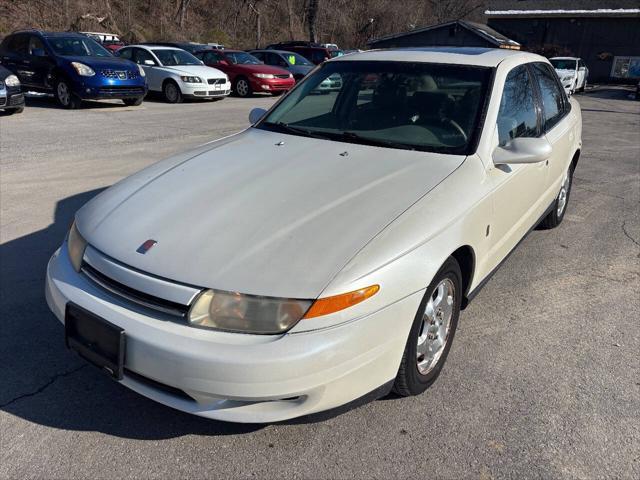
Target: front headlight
142	74
82	69
188	79
76	245
12	81
236	312
263	75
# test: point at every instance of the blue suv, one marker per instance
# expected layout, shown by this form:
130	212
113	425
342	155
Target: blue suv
72	66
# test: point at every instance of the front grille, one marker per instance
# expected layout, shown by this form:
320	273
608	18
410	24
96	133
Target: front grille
135	296
218	93
121	91
282	76
3	101
216	81
120	74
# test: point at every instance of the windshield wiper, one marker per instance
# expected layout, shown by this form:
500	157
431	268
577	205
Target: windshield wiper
376	142
285	127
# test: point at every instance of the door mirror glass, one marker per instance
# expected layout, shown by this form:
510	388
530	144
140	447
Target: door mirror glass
223	62
522	150
256	114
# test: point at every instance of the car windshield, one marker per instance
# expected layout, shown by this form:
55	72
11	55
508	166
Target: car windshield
242	58
413	106
295	59
78	47
563	64
171	57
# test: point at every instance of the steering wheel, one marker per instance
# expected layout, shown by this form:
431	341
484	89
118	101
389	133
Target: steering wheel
456	127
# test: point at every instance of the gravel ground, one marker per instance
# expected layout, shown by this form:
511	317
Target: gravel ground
543	380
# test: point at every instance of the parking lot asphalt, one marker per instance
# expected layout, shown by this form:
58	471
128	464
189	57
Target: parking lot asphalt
543	380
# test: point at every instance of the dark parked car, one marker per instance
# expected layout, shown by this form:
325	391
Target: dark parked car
73	67
190	47
246	73
313	52
11	97
295	63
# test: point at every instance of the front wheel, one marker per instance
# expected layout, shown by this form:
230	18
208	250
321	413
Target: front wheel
64	95
555	216
432	332
243	89
172	93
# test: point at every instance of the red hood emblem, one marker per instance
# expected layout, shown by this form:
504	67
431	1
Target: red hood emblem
146	246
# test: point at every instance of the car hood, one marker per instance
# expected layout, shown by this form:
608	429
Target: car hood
195	70
103	62
249	215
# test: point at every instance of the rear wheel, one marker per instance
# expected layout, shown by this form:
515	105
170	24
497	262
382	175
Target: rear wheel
243	88
64	95
132	102
171	91
555	216
432	332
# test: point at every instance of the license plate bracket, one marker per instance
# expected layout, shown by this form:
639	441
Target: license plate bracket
95	339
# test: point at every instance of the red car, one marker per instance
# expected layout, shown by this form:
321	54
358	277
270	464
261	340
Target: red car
246	73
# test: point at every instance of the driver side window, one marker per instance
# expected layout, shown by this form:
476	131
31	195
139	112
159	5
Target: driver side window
517	116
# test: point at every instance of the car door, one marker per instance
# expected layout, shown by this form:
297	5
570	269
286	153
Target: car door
582	74
556	125
517	188
154	73
41	62
14	57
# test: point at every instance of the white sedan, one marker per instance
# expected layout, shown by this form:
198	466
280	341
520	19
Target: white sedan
572	72
176	73
324	253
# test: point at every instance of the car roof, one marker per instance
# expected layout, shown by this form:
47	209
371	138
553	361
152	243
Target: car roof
51	34
564	58
485	57
155	47
269	50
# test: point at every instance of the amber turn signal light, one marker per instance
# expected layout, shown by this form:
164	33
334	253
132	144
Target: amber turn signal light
325	306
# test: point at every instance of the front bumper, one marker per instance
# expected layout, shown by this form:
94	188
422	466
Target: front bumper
271	84
204	90
99	88
238	377
569	85
11	98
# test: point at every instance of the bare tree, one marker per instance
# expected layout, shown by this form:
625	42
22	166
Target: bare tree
182	11
312	19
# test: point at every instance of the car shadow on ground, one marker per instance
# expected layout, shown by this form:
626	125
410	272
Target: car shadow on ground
46	384
48	101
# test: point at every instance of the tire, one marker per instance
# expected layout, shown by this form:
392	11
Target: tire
555	216
171	92
417	372
133	102
243	88
584	86
64	95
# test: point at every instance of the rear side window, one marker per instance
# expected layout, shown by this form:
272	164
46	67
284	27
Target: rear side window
18	44
552	96
517	116
125	53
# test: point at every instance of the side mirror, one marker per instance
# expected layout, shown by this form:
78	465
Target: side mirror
38	52
223	62
149	63
256	114
522	150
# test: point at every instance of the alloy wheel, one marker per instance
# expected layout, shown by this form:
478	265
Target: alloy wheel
436	325
171	92
64	96
242	87
563	195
